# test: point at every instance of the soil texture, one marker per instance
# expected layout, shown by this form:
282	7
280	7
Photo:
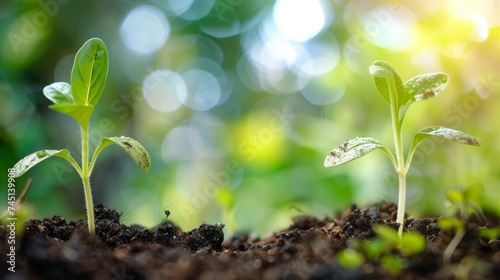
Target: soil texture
57	249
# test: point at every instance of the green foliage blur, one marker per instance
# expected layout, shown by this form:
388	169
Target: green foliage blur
249	96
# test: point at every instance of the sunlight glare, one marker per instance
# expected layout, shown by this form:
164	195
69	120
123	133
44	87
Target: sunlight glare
299	20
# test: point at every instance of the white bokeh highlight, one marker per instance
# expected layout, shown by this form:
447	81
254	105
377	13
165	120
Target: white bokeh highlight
145	30
164	90
299	20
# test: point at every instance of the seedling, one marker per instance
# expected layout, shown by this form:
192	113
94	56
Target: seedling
225	197
464	199
88	76
456	225
400	96
381	249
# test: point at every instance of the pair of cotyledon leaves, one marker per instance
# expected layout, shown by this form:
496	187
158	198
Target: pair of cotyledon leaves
88	77
416	89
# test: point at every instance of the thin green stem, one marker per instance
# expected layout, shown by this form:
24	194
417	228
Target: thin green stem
86	176
401	203
448	252
398	146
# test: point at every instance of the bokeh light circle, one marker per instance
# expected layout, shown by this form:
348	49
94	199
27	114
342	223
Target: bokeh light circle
318	58
299	20
202	136
198	10
388	29
203	90
174	6
322	91
164	90
181	142
145	29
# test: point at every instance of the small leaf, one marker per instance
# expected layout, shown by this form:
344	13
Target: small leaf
33	159
350	258
456	197
225	197
473	192
450	224
59	93
81	113
136	151
412	243
424	86
382	74
387	234
375	248
490	233
447	133
351	150
89	72
392	263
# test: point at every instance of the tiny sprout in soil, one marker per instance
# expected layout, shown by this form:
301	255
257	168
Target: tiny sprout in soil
400	96
464	199
88	76
382	249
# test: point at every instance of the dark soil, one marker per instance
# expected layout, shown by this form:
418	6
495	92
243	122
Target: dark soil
57	249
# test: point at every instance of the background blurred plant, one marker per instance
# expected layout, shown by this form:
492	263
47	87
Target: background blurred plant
248	95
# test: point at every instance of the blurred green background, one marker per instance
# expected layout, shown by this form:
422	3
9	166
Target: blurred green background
238	102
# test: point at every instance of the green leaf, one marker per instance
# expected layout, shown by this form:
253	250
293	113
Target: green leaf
351	150
59	93
442	132
424	86
89	72
33	159
392	263
447	133
383	74
376	248
473	192
490	233
136	151
412	243
387	234
456	197
450	224
81	113
226	197
350	258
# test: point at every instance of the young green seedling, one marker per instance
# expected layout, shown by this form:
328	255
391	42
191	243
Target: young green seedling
78	100
381	249
400	96
464	199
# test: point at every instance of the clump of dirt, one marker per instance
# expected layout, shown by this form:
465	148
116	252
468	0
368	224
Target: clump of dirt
57	249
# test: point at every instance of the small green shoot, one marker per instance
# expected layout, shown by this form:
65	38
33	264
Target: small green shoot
490	233
400	96
464	199
410	243
350	258
492	236
88	77
456	225
225	197
382	249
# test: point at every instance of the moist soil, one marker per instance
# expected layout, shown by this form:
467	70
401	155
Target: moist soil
57	249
